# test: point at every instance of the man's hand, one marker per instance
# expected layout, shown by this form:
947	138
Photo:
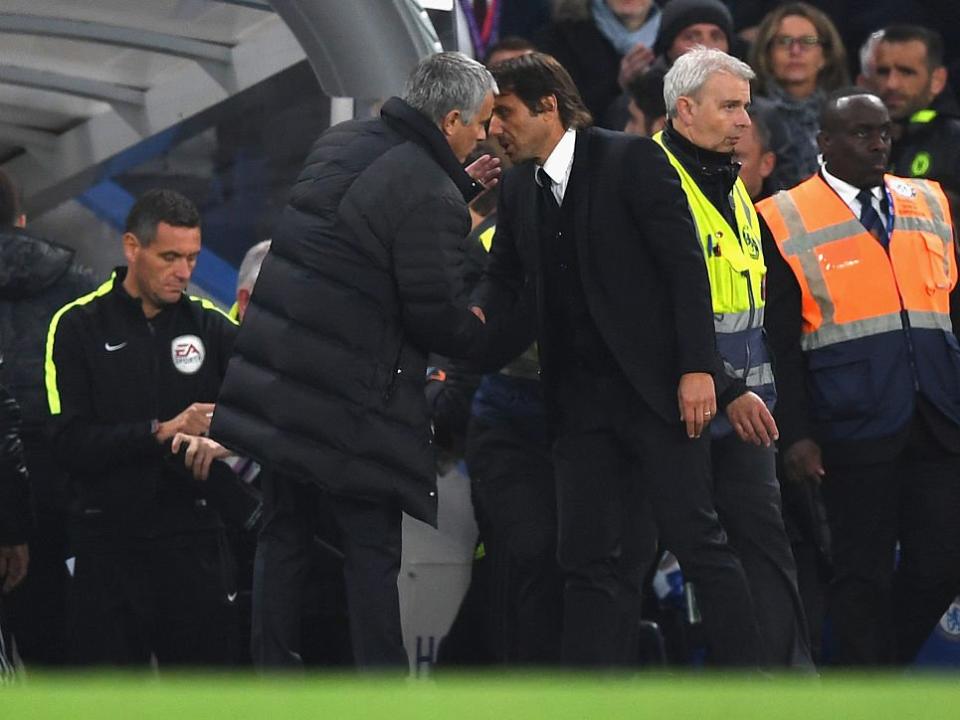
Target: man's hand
201	452
195	420
485	170
802	462
14	561
478	311
698	401
752	420
636	62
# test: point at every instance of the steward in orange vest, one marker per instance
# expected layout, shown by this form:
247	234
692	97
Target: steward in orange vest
862	271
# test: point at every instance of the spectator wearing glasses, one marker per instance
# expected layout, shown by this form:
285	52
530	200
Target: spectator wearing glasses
799	58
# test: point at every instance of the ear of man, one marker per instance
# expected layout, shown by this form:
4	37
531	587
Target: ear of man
130	246
938	80
768	162
685	110
547	104
449	123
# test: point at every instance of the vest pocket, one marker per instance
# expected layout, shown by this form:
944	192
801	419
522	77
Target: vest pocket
935	272
841	389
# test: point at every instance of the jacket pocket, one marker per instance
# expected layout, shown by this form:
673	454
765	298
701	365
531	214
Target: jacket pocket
841	389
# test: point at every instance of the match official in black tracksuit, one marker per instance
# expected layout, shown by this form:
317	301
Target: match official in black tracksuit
128	367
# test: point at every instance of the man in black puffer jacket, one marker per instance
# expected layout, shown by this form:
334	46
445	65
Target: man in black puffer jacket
326	386
37	278
15	517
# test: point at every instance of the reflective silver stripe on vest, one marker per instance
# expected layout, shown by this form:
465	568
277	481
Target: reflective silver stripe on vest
738	322
930	320
945	230
760	375
743	204
802	244
832	334
933	202
755	377
937	227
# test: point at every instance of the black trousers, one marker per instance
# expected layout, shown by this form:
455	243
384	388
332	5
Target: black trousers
614	454
747	498
515	500
174	599
37	607
883	611
370	538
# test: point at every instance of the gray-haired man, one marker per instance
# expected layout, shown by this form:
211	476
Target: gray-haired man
325	389
707	93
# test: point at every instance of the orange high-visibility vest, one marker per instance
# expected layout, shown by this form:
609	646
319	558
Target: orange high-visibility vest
875	322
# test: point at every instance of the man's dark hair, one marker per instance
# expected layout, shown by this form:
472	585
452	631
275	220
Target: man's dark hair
535	76
828	111
157	206
9	201
511	43
931	39
646	91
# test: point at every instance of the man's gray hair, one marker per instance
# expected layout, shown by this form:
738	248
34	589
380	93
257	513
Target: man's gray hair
250	267
868	66
448	81
692	69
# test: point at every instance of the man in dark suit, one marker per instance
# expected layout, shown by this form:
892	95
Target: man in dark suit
594	232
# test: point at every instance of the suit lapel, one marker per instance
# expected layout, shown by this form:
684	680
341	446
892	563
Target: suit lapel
531	215
578	193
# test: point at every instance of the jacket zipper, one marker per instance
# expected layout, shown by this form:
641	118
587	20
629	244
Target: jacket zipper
394	374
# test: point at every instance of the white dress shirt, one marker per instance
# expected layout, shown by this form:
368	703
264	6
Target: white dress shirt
848	193
559	164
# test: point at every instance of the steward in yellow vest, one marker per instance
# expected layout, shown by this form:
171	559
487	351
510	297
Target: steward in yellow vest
861	308
731	247
710	92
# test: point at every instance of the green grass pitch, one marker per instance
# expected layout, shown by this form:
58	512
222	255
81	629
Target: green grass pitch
495	697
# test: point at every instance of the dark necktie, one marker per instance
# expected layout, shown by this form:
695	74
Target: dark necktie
546	189
871	219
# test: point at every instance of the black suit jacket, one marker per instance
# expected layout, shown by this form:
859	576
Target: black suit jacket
641	264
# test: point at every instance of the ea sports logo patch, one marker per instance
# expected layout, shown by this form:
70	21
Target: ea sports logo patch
187	353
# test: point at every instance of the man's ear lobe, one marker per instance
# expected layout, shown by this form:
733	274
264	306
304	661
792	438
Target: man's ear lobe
938	80
684	109
130	246
449	121
548	103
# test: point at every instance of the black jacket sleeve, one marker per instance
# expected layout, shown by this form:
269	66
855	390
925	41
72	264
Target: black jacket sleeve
79	442
955	293
661	212
782	323
505	293
427	260
15	517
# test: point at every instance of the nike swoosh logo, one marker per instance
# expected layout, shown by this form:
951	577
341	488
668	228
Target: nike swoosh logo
231	597
111	348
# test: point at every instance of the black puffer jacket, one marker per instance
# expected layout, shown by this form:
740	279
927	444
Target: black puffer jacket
37	278
361	282
15	518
